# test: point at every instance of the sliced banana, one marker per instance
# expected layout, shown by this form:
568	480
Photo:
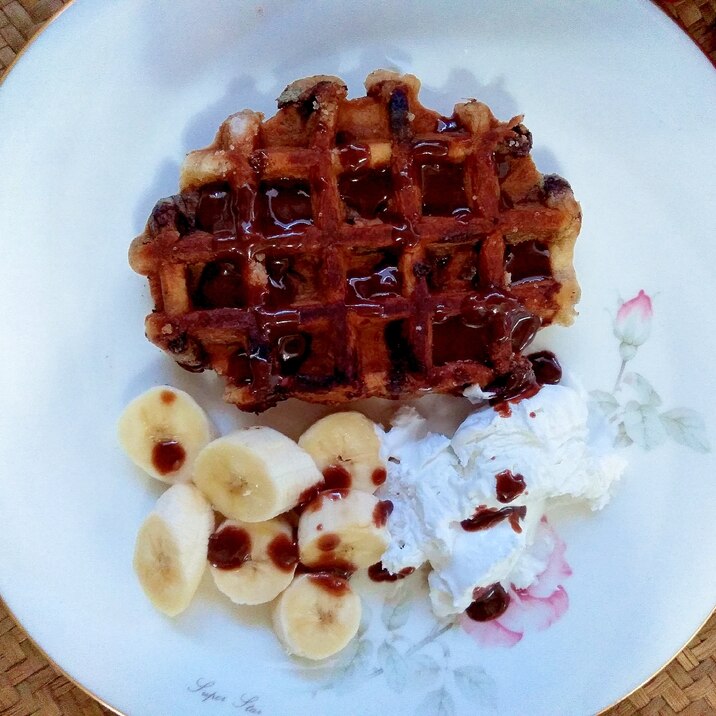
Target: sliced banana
255	474
170	552
343	529
317	615
162	431
253	562
346	449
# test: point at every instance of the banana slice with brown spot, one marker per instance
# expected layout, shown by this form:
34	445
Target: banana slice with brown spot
162	431
343	529
253	562
317	615
346	449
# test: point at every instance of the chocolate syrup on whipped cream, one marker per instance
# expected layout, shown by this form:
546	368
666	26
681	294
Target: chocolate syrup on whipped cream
378	573
490	603
486	517
509	486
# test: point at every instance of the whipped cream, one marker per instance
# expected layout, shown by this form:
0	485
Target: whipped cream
561	449
551	439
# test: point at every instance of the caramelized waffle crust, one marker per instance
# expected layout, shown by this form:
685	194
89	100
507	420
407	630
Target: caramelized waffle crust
352	248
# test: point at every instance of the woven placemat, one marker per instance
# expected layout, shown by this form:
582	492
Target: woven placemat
30	685
20	19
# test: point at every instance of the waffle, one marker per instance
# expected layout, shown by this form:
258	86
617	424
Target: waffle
352	248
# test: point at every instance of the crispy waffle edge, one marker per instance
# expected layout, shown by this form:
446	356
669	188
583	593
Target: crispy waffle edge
395	134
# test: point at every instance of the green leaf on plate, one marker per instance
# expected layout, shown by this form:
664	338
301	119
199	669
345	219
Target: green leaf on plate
643	389
622	439
476	685
394	667
355	665
436	703
396	610
365	620
687	428
606	402
643	425
424	668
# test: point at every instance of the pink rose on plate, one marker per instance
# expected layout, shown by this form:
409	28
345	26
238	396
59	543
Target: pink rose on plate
532	609
633	324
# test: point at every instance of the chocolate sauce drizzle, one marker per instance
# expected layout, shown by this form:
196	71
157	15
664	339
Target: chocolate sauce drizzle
489	603
266	220
486	517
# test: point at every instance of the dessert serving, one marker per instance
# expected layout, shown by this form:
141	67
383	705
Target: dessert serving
194	548
348	248
464	510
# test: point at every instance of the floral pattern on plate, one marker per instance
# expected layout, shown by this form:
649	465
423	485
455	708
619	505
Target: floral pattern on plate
532	609
406	664
633	405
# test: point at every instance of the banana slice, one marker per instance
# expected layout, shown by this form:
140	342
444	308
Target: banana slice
252	563
343	529
317	615
255	474
346	449
170	552
162	431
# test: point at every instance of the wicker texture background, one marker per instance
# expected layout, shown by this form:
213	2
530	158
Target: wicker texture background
30	686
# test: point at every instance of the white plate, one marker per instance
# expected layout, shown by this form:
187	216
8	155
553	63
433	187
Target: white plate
94	122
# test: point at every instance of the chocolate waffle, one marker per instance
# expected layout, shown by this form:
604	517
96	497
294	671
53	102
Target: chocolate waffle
352	248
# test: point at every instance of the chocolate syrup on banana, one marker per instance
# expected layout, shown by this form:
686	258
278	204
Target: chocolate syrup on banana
168	456
229	548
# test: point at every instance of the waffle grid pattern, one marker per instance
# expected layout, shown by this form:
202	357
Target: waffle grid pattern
372	291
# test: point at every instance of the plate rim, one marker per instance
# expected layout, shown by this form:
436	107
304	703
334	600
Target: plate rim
38	33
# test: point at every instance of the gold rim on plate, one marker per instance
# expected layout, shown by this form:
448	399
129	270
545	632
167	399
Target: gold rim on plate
86	690
31	41
12	614
49	659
